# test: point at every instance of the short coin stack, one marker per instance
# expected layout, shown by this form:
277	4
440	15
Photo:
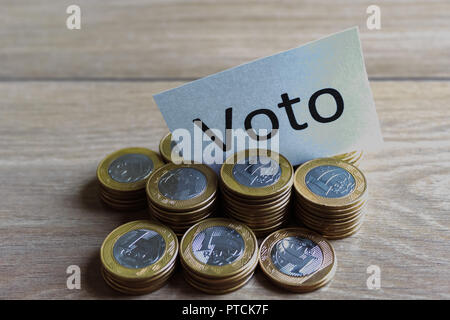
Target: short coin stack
182	195
297	259
353	157
122	176
169	150
138	257
256	189
330	197
218	255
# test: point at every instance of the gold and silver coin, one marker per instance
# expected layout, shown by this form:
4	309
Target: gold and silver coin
139	257
353	157
218	255
297	259
169	150
330	197
256	189
182	195
123	175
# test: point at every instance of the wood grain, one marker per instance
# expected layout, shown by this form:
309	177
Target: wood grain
53	134
162	39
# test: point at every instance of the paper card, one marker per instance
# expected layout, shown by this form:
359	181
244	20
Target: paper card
328	106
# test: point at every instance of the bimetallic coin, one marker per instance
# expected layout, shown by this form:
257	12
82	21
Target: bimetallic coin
328	182
139	250
256	173
182	187
182	183
127	169
227	247
297	259
130	167
296	256
218	247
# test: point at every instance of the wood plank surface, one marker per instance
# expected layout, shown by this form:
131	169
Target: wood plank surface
162	39
53	134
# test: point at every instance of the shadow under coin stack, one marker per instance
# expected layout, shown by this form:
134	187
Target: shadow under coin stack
256	189
353	157
182	195
138	257
122	176
330	197
297	259
218	255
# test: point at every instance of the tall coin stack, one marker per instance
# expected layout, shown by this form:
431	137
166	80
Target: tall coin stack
353	157
256	189
122	176
182	195
138	257
330	197
218	255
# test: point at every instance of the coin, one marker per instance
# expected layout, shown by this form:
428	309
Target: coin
330	197
218	255
328	182
297	259
169	150
256	188
122	176
139	256
182	195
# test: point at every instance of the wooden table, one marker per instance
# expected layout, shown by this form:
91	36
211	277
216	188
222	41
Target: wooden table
68	98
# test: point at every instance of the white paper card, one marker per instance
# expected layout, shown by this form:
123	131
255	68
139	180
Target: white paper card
335	114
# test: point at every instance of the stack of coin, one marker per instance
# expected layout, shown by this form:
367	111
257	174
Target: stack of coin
256	189
169	150
182	195
122	176
330	197
138	257
218	255
353	158
297	259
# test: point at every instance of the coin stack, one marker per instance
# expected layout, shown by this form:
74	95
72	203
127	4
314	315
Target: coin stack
218	255
330	197
353	157
256	189
297	259
138	257
182	195
169	150
122	176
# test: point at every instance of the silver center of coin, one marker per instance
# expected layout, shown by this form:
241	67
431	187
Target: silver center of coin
257	172
330	181
218	246
139	248
130	167
296	256
182	184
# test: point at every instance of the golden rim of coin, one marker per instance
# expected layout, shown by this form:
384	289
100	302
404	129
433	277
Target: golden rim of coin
218	271
112	266
230	183
110	184
308	281
165	149
359	192
165	203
